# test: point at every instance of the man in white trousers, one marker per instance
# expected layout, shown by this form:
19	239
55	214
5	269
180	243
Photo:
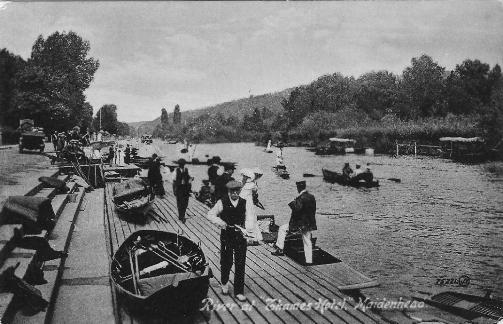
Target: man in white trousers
302	220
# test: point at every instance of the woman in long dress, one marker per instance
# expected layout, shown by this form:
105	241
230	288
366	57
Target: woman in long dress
247	192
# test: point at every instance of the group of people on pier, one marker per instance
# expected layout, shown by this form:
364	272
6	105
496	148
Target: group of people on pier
233	211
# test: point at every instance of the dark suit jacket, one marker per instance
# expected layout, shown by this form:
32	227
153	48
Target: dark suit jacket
303	213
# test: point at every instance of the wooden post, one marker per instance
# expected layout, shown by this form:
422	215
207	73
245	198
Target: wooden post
396	148
415	149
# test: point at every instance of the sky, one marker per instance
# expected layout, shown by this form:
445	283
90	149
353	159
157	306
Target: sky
154	55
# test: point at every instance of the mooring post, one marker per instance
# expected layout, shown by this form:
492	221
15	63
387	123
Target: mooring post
396	148
415	149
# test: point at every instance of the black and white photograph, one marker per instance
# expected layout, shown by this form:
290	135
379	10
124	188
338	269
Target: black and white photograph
251	162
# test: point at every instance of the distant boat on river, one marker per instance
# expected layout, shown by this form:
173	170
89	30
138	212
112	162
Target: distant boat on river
335	177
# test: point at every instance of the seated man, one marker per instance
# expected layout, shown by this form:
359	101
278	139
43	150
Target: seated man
358	170
302	219
347	171
205	195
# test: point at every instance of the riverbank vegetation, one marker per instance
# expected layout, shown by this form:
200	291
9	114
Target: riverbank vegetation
49	86
423	103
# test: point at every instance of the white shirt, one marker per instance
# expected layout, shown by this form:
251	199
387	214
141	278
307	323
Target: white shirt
300	193
358	171
213	213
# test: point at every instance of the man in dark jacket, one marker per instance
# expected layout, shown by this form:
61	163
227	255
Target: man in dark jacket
222	180
213	170
154	175
302	220
127	154
182	186
228	213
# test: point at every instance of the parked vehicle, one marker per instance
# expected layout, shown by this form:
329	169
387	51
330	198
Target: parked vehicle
147	139
31	141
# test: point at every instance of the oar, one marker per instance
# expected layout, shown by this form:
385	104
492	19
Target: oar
133	271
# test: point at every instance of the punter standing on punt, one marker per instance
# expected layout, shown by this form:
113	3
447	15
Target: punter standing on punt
302	220
228	212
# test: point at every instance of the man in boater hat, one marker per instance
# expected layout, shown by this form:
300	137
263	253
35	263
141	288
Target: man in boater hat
302	220
182	186
229	213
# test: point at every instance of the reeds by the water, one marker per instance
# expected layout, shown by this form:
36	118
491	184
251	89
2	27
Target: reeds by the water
382	135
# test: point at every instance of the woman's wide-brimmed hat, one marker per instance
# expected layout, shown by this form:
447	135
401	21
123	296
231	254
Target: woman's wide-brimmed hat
248	173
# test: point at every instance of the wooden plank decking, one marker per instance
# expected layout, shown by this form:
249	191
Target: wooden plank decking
270	282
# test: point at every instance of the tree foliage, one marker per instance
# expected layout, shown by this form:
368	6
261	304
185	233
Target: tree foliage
10	65
50	88
106	117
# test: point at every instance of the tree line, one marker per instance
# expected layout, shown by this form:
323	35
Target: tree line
49	87
423	92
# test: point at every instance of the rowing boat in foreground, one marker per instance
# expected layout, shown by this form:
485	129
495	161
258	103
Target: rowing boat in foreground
335	177
465	305
160	272
131	195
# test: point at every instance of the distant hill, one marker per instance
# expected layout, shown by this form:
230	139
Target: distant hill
237	108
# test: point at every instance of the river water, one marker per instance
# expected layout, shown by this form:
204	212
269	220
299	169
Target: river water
443	220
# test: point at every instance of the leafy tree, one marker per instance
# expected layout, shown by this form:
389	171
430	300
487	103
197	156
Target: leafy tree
298	105
333	92
376	93
10	65
122	129
55	78
492	120
470	86
164	118
108	116
422	87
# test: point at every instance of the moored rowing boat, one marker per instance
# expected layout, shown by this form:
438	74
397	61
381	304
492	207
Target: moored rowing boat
160	272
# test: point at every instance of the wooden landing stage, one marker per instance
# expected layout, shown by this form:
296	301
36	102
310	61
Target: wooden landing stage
275	287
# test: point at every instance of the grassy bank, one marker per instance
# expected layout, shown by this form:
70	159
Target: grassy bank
495	167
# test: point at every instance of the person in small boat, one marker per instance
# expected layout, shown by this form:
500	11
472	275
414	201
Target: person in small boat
279	158
358	170
367	175
222	180
247	193
302	220
347	171
182	186
154	176
229	211
205	195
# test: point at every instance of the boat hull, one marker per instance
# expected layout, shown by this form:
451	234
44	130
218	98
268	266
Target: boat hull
132	196
170	293
281	172
335	177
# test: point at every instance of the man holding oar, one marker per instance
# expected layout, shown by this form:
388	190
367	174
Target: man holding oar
229	213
